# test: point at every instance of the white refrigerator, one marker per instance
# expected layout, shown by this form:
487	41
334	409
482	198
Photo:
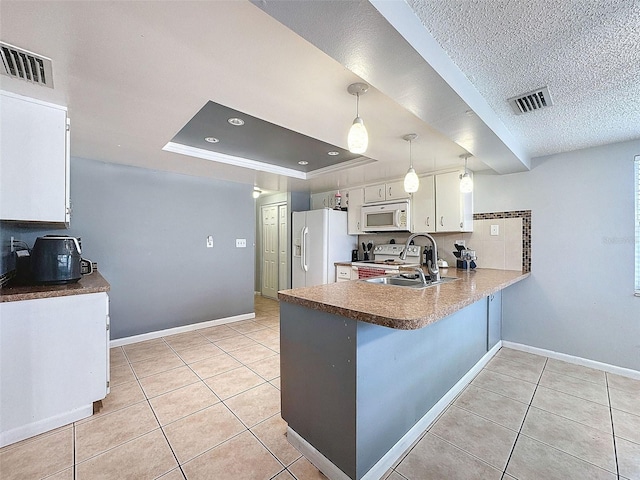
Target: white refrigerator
319	240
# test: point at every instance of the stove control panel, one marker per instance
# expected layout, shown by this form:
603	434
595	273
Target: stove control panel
395	249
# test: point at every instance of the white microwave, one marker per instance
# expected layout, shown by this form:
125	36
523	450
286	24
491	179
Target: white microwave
386	217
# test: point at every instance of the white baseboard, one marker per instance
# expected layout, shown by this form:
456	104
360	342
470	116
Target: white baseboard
172	331
625	372
332	472
36	428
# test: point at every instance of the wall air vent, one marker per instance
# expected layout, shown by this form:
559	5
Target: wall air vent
25	65
531	101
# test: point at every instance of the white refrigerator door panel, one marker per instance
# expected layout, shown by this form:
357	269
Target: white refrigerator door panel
316	246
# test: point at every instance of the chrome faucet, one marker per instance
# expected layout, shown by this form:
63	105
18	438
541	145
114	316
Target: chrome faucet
432	265
420	273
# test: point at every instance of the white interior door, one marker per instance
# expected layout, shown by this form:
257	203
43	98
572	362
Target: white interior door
283	249
269	286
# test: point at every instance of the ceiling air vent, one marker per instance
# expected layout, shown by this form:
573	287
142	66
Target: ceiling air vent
24	65
531	101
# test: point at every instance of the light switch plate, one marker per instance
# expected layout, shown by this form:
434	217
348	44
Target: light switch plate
210	241
495	230
241	242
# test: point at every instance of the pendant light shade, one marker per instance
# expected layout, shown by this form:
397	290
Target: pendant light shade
256	192
411	180
466	181
358	138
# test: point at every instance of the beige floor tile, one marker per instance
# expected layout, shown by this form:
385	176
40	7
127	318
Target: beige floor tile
166	381
116	356
146	350
497	408
505	385
586	443
252	354
39	456
576	387
195	434
235	343
574	408
246	326
628	458
256	404
184	401
108	431
233	382
186	340
482	438
264	335
577	371
532	460
213	366
433	458
158	364
271	322
622	400
63	475
275	382
625	384
626	425
218	333
394	476
273	345
520	356
121	396
303	469
284	475
145	457
268	368
242	457
175	474
200	352
121	374
524	371
273	434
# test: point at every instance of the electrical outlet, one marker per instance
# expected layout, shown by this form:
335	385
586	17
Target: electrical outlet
462	243
210	241
241	242
495	230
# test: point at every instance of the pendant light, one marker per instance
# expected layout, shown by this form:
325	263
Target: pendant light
256	192
466	182
411	180
358	138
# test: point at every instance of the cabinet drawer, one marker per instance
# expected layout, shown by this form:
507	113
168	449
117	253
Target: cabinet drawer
343	272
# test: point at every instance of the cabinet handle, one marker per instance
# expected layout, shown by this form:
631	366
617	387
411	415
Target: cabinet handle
427	221
380	192
389	191
442	221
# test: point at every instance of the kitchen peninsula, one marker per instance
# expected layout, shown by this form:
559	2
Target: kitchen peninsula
365	368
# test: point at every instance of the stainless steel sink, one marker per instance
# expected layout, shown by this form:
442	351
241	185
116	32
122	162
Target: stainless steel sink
403	281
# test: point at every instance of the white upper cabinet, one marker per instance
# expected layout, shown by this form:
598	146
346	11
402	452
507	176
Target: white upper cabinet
385	192
423	207
324	200
454	209
354	201
34	160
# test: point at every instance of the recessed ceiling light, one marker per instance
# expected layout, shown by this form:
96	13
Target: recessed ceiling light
237	122
333	153
303	162
211	139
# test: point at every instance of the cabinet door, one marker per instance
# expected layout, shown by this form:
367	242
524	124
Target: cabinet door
319	200
354	211
395	190
34	160
374	193
331	198
423	207
448	203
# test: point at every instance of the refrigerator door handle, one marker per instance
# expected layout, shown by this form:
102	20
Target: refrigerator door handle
303	257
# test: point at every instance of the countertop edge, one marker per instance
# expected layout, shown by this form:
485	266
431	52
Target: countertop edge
399	323
93	283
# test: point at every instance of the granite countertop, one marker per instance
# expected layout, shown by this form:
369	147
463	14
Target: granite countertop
92	283
399	307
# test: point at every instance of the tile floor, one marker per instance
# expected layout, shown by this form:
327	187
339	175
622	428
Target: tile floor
205	405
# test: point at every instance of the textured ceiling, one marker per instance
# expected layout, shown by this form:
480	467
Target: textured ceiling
586	51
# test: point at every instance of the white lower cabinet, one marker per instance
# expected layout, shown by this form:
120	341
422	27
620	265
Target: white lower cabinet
344	273
54	354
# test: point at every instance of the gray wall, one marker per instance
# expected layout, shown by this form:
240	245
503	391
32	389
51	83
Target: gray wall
579	299
147	230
